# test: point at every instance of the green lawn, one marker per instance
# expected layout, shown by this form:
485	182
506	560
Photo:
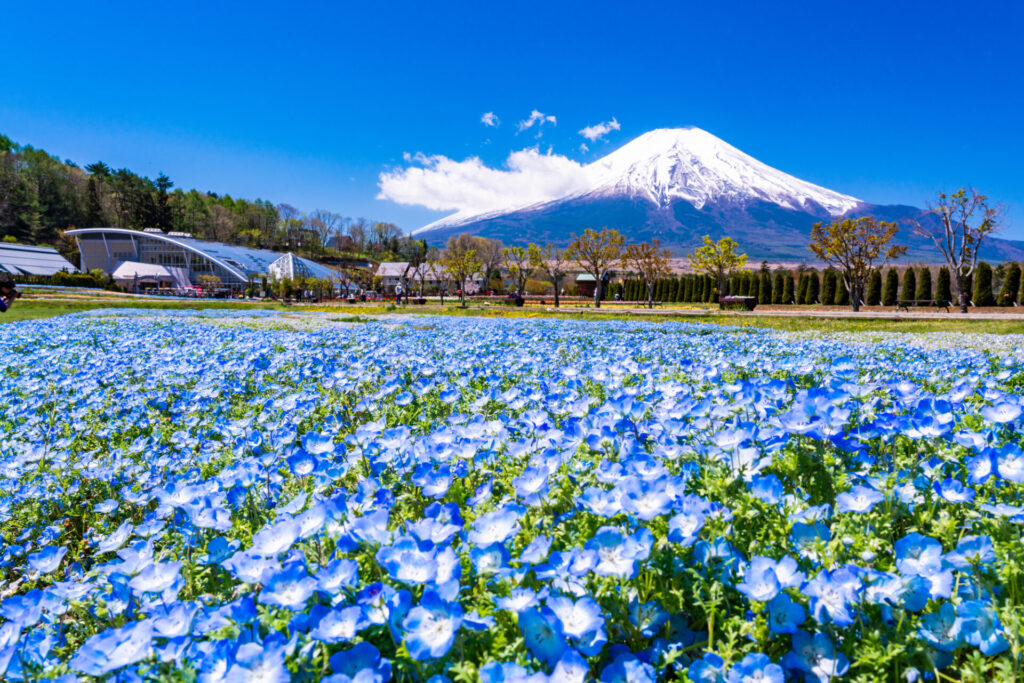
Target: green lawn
33	309
30	309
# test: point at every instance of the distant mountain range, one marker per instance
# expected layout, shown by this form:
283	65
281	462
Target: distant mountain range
678	184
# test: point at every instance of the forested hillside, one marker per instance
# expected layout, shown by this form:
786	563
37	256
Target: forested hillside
41	196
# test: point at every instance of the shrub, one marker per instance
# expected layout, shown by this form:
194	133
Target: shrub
801	288
924	284
943	285
787	289
874	293
909	290
1011	283
892	285
764	290
813	288
778	286
842	297
983	285
828	286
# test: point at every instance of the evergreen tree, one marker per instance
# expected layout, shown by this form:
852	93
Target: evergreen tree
681	289
983	285
813	288
842	297
943	287
788	295
764	290
710	290
924	284
778	287
1011	283
909	290
801	289
828	286
890	295
755	287
874	293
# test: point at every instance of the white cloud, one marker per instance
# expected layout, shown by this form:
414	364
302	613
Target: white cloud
442	184
584	148
599	130
490	119
538	118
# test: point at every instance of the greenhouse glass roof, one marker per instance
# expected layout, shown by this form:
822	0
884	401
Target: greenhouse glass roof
22	259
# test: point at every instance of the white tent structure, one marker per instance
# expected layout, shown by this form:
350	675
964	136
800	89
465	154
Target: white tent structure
132	273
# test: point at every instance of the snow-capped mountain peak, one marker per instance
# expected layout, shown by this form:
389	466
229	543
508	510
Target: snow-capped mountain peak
693	165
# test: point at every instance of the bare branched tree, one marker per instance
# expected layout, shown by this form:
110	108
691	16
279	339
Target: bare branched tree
965	219
650	262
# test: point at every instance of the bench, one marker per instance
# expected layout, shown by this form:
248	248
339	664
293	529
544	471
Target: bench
747	303
905	304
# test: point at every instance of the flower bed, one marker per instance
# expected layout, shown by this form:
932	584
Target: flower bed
232	498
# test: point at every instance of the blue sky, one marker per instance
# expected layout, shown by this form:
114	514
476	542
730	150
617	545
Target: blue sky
308	103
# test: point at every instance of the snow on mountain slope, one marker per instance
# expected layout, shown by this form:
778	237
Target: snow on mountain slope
690	164
694	165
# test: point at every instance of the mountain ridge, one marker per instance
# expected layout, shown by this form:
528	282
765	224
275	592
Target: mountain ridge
678	184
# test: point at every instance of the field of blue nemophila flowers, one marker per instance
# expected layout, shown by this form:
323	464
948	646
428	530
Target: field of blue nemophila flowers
247	498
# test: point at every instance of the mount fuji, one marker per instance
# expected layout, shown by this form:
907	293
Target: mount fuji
678	184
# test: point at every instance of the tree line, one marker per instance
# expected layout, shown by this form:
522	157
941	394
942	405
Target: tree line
41	196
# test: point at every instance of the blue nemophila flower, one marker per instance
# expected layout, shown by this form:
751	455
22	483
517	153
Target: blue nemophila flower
980	627
520	600
157	577
336	575
784	615
290	587
628	668
263	662
409	561
755	668
647	617
816	656
833	596
578	618
1010	463
431	626
218	550
250	567
47	559
707	669
106	507
174	620
115	539
918	555
542	632
954	491
619	554
807	538
767	488
496	526
340	625
858	499
537	551
317	443
113	649
942	629
276	539
489	560
684	528
972	551
759	580
1001	412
